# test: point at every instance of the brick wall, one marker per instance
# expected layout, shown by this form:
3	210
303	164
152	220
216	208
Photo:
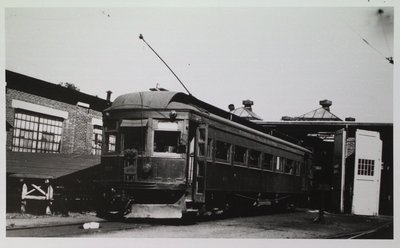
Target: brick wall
77	129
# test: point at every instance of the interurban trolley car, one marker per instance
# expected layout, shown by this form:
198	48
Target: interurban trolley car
167	154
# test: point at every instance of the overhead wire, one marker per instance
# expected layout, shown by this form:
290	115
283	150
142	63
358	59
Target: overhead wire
390	59
165	63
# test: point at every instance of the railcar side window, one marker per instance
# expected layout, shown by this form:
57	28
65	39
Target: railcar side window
240	154
288	167
222	150
267	161
110	141
254	158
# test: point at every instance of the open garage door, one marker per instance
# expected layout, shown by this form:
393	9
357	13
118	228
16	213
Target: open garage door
367	173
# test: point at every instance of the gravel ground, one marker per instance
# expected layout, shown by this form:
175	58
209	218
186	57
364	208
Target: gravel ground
290	225
293	225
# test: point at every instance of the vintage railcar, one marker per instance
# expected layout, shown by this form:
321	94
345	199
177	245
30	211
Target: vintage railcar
167	154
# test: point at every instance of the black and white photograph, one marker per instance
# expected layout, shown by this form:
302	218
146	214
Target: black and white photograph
215	122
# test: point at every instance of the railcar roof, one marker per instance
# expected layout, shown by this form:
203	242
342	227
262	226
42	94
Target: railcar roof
149	100
177	100
173	100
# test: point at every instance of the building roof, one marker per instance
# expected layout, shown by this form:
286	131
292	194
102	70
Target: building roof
246	113
319	114
302	129
52	91
46	165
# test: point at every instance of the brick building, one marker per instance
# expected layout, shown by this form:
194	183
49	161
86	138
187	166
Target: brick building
48	118
52	131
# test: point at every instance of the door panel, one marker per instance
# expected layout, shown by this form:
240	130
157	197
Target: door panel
200	163
367	173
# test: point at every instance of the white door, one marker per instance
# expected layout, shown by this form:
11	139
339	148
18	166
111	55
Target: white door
367	173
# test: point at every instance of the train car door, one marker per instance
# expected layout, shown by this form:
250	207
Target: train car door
367	173
200	163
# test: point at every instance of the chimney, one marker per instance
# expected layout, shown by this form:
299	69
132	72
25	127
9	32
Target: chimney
325	104
247	104
231	107
109	95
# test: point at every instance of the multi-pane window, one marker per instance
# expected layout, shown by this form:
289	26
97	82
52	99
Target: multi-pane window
97	138
366	167
34	132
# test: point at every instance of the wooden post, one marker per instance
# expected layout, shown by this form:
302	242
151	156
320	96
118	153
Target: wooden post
49	197
24	192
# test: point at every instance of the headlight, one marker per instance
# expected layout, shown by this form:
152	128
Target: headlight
147	168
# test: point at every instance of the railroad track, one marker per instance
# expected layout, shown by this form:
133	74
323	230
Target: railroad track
65	230
384	231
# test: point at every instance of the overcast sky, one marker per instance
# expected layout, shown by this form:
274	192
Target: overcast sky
285	59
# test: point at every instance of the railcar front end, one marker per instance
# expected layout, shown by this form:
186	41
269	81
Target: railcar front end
144	163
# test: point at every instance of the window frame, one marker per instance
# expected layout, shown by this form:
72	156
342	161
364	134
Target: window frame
245	155
106	141
366	167
286	164
97	150
179	128
259	159
228	152
272	162
30	130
